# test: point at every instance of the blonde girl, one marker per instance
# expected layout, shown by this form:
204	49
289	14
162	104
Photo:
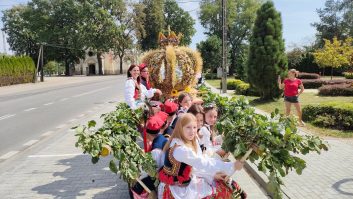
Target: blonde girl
187	173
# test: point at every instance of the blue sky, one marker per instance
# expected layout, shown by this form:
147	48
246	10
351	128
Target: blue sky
297	15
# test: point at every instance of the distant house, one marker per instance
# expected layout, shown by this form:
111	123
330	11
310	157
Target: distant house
89	65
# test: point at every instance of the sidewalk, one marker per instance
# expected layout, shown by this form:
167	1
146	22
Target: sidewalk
59	170
329	175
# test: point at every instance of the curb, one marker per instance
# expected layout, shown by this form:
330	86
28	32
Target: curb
257	177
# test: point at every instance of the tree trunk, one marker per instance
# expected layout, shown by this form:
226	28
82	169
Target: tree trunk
100	64
121	63
331	72
67	68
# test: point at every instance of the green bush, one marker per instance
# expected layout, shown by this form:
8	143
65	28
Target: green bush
312	83
336	115
16	70
336	90
308	76
348	75
240	87
211	76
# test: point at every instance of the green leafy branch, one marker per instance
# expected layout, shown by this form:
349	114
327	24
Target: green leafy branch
275	139
118	133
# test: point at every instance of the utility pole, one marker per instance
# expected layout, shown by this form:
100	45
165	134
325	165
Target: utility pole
42	65
224	47
4	41
38	62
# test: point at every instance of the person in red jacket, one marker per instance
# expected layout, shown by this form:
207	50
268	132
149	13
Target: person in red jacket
291	85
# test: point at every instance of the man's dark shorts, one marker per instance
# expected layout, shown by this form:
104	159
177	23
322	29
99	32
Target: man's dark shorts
291	99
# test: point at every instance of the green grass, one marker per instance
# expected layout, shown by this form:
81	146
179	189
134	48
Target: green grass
217	82
214	82
306	98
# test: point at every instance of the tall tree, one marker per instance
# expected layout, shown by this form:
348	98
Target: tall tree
267	58
346	8
333	54
21	38
211	53
241	16
179	21
153	23
330	24
130	25
100	18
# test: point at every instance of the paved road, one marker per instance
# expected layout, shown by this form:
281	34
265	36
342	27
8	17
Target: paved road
26	115
55	168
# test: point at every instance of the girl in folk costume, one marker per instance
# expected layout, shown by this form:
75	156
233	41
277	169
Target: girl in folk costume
135	92
208	138
197	111
145	76
184	101
188	174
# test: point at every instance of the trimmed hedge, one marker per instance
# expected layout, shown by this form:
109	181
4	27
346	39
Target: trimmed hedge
336	115
336	90
348	75
313	83
317	83
240	87
16	70
308	76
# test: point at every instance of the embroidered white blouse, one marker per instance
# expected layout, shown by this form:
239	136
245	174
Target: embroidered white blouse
204	168
211	148
130	92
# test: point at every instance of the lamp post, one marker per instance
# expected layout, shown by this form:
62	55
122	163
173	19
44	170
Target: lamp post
224	48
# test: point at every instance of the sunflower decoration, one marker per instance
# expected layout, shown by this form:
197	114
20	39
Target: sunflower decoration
188	89
174	93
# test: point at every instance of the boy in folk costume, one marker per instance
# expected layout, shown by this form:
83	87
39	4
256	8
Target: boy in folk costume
153	127
188	174
171	109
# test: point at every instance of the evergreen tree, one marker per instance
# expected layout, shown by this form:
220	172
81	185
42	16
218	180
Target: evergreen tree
267	58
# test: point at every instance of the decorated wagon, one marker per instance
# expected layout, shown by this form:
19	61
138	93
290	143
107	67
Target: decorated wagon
272	142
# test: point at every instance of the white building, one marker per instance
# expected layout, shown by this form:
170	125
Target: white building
110	64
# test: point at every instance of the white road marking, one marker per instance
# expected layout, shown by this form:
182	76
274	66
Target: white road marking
29	143
60	126
73	120
30	109
6	116
90	92
47	133
8	155
64	99
55	155
50	103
